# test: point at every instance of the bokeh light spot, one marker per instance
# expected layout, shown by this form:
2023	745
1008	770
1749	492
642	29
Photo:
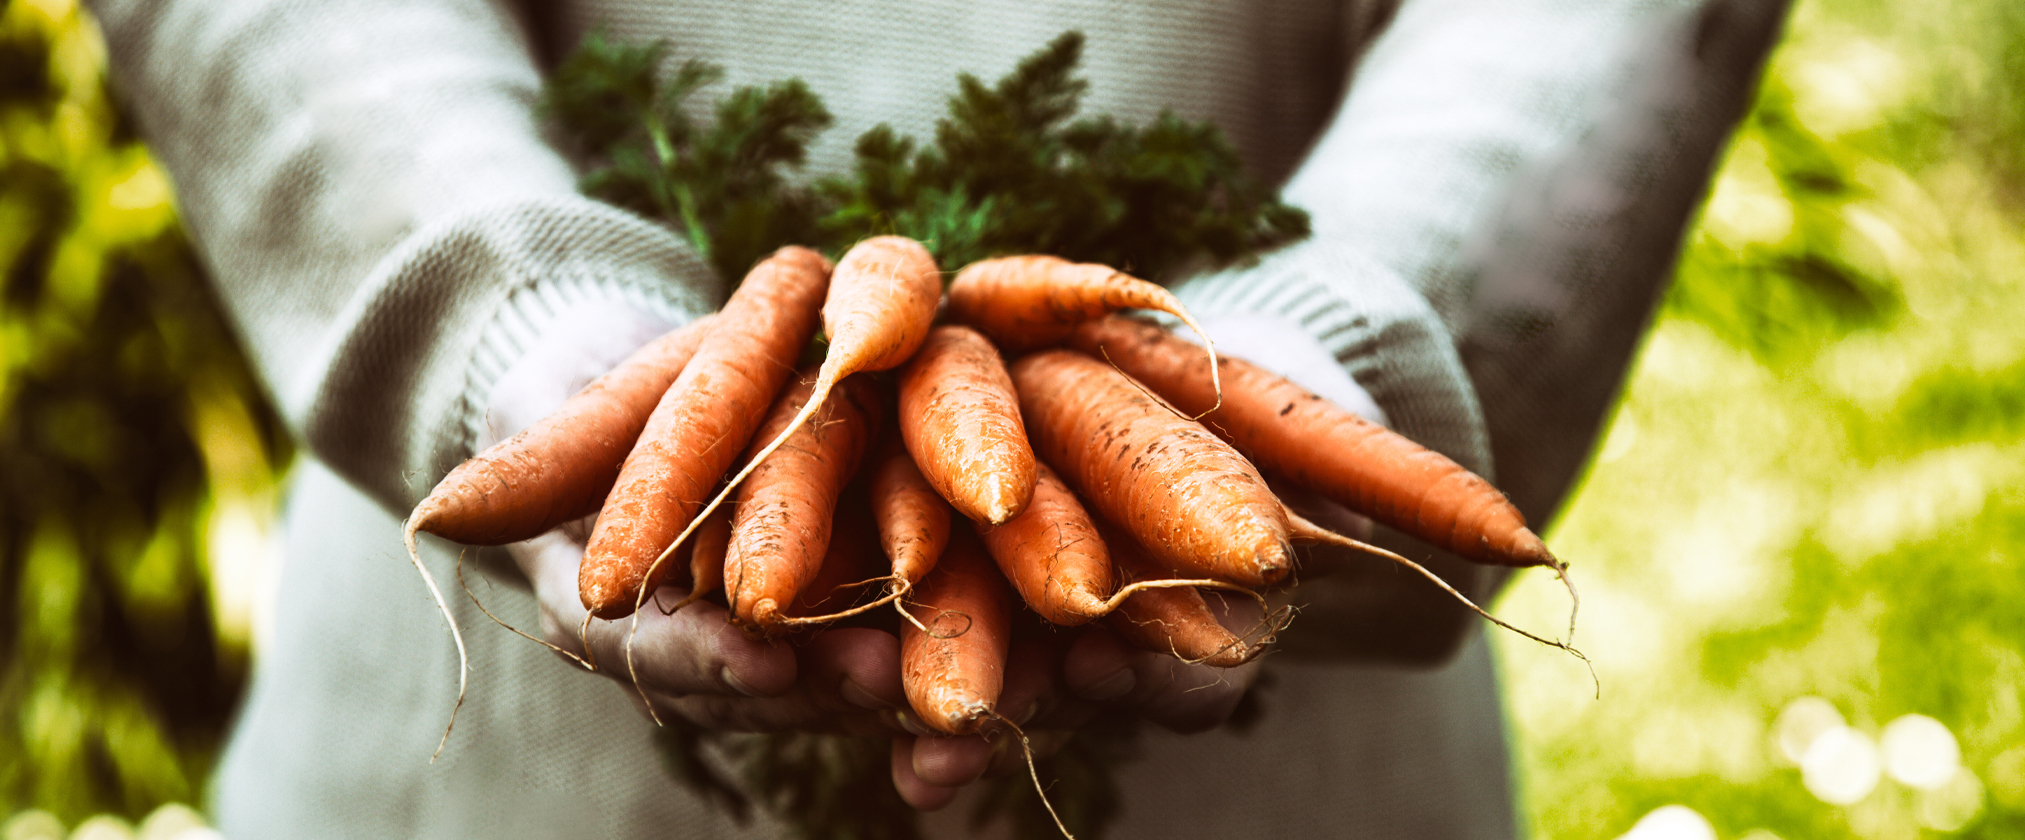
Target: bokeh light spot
1841	767
32	824
1802	721
1920	751
1671	822
1954	804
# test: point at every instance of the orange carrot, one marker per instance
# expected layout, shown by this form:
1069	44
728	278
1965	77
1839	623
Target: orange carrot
780	528
1035	301
913	519
1175	621
699	426
560	468
1286	430
953	676
554	471
1053	556
881	301
706	559
961	421
1185	495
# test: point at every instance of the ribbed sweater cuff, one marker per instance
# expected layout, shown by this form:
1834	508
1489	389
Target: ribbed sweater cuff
1377	326
453	307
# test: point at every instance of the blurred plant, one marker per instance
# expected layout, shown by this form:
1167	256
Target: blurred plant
1009	171
128	421
1813	488
1787	284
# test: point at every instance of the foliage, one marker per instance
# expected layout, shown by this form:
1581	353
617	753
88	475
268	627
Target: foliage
723	185
127	419
1812	487
1010	170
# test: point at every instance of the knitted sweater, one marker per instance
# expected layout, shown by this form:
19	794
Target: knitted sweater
1498	188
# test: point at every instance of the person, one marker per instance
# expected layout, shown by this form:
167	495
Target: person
1497	187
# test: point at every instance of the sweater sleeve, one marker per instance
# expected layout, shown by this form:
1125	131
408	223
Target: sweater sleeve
369	186
1487	154
1497	205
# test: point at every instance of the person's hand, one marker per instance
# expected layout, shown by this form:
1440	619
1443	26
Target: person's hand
692	662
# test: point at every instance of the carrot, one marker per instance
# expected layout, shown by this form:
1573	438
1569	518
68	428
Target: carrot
881	300
953	675
1053	556
554	471
1035	301
560	468
1177	621
961	421
780	528
699	427
706	559
1287	430
953	678
1185	495
913	519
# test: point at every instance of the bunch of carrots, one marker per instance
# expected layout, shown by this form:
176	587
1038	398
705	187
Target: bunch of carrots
1111	471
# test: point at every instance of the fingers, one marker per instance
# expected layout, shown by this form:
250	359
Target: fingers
694	651
921	794
951	762
848	683
860	667
1101	668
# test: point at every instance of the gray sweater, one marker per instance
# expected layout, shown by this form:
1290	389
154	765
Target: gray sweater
1498	190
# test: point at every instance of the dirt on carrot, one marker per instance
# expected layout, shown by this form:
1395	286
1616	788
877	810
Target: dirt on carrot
780	527
1176	621
1053	555
1184	494
961	421
913	520
700	425
953	675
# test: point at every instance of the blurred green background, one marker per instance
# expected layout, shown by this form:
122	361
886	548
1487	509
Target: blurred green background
1795	543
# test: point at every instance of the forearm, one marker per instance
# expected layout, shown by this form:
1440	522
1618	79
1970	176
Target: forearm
368	184
1495	209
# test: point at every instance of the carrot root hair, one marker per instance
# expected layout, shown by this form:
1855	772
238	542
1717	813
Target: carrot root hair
1306	530
897	588
901	605
1574	598
463	657
1033	770
633	672
1208	346
1117	598
502	622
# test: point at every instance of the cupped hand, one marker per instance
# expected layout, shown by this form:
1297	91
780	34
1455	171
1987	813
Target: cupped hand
695	663
692	662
